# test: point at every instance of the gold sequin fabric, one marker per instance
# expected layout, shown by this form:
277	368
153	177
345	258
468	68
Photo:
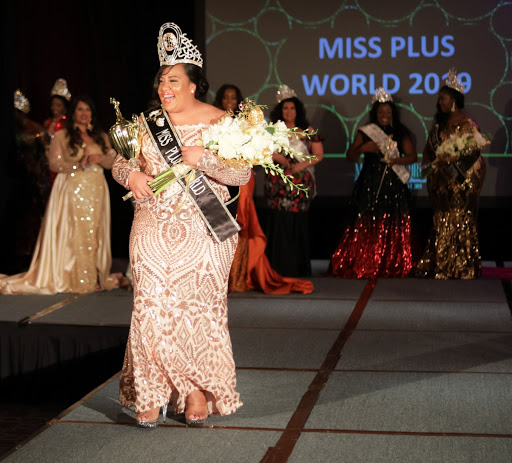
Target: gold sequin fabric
453	249
72	253
179	339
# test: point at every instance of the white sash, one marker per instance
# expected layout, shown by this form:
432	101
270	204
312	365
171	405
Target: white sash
388	148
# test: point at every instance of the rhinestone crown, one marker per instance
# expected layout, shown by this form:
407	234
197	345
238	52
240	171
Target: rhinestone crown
21	102
453	82
174	47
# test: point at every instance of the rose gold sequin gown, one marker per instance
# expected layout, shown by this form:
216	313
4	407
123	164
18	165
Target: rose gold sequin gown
179	339
72	252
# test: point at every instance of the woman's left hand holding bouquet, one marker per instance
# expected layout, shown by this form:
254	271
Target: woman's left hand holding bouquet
138	184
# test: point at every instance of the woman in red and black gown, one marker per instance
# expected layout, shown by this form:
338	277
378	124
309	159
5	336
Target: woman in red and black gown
377	241
60	97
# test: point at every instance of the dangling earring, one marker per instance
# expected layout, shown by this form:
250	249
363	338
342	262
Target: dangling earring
89	127
453	107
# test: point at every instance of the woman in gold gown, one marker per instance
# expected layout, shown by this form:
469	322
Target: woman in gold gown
179	348
72	253
454	188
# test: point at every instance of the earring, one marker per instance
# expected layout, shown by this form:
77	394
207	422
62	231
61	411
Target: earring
453	107
192	91
89	127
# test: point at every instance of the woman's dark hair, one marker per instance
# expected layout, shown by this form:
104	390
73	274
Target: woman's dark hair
442	118
220	95
195	75
300	120
75	138
64	102
398	129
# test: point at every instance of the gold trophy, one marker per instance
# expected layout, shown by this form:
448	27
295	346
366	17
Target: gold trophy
125	137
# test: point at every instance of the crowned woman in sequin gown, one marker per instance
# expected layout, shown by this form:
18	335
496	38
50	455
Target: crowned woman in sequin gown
179	348
72	253
454	188
377	240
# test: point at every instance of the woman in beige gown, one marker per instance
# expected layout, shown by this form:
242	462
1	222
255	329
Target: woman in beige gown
179	348
72	253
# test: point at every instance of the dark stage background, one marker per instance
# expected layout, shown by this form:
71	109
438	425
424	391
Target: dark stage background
109	50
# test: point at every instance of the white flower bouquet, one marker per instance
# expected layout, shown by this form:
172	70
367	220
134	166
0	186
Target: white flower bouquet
246	139
460	144
458	148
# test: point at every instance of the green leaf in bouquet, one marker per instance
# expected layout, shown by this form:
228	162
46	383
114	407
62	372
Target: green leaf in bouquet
426	171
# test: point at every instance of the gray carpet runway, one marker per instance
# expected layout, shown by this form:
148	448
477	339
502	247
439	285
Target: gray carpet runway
401	371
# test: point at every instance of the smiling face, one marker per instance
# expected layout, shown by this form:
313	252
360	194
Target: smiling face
384	115
445	102
82	114
175	89
289	112
229	99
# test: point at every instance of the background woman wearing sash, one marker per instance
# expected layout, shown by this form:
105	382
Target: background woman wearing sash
287	228
377	240
179	348
251	268
453	249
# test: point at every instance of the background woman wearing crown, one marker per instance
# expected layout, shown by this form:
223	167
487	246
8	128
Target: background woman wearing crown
32	172
287	229
72	253
59	102
179	348
251	268
377	239
454	188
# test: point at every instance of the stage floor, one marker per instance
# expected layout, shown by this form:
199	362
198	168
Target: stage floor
403	370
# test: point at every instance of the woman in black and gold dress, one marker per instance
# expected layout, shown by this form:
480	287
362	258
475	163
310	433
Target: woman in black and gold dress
454	189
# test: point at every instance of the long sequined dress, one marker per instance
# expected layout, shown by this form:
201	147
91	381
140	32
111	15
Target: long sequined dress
72	253
179	339
453	249
287	228
251	268
377	239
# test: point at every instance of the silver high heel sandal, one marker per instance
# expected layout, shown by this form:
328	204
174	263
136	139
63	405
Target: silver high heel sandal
153	424
195	422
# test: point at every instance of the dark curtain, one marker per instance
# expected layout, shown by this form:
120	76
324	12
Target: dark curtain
103	49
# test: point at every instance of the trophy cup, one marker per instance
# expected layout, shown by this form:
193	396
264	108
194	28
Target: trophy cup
125	137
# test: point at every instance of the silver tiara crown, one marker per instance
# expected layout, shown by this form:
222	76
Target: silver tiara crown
174	47
382	96
21	102
284	92
60	88
453	82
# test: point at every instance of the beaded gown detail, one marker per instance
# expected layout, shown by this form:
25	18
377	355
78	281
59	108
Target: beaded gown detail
179	339
453	248
377	240
72	252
